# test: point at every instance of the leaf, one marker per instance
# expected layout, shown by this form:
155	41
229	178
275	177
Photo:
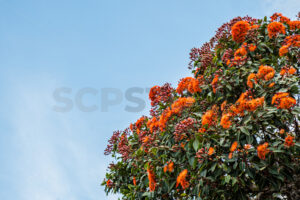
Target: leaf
235	165
227	178
242	166
196	144
234	181
244	130
171	186
249	139
147	194
212	169
203	173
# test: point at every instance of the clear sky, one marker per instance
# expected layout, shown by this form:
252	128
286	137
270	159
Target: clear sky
47	45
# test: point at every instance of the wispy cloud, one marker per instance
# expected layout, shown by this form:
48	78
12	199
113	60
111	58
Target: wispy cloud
53	163
287	7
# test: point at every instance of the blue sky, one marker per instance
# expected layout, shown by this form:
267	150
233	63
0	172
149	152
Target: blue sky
46	45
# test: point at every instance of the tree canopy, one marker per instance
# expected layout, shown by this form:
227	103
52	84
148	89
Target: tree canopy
230	131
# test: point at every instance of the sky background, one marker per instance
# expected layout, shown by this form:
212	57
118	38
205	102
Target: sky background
47	45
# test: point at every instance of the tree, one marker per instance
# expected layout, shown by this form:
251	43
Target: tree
230	131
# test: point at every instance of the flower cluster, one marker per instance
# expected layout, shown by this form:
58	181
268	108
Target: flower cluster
151	178
232	149
264	73
262	150
124	147
289	141
190	84
209	118
239	31
274	28
245	103
176	108
159	94
279	17
182	128
153	124
283	100
290	41
287	71
169	167
181	179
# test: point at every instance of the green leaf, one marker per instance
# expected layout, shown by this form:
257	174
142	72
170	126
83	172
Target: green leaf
212	169
244	130
196	144
234	181
249	139
227	178
242	166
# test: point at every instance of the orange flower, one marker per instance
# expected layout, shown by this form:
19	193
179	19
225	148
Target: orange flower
254	26
286	71
167	113
276	98
232	149
292	70
181	179
223	105
151	178
153	92
233	146
271	85
169	167
131	127
240	52
283	101
292	40
214	83
209	118
134	181
228	62
201	130
182	145
139	123
182	103
109	183
253	104
190	84
225	120
165	168
294	25
252	47
280	17
152	124
265	72
211	151
251	77
262	150
286	103
247	146
176	108
281	131
146	139
239	31
284	19
283	71
274	28
289	141
283	50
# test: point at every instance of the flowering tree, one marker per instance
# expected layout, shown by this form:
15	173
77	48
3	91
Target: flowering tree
230	131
